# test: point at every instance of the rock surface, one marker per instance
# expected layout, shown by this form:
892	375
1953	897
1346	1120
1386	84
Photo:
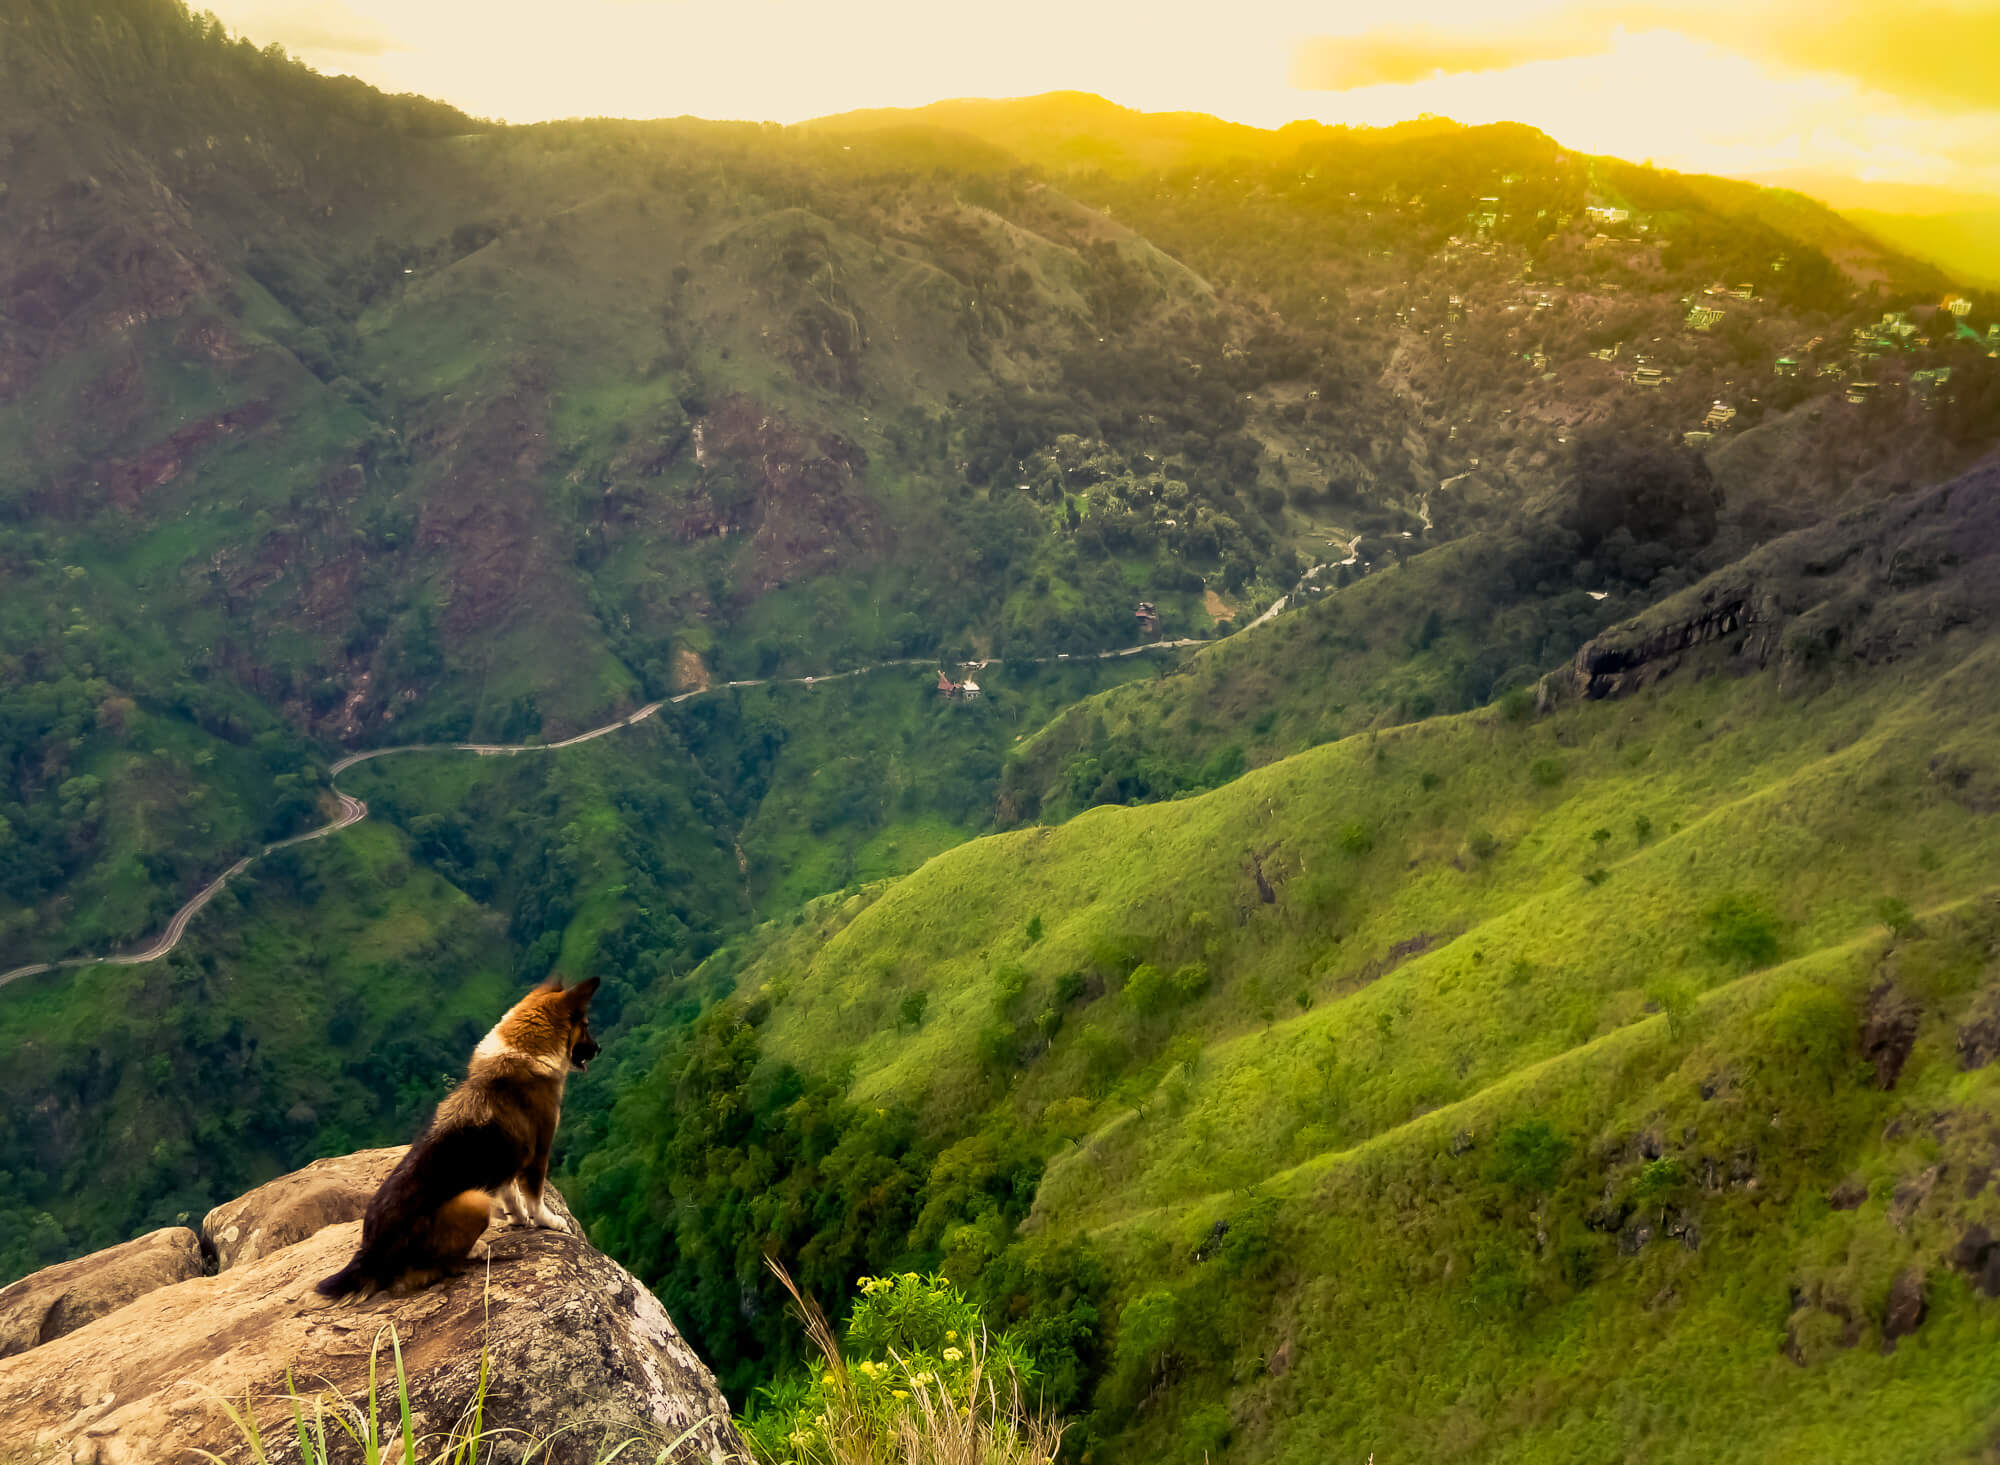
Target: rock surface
1906	1307
1874	585
294	1206
58	1300
303	1203
575	1347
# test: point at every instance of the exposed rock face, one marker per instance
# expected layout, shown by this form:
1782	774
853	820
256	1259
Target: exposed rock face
1888	1032
576	1348
1904	1313
1873	585
1978	1256
57	1301
294	1206
1979	1035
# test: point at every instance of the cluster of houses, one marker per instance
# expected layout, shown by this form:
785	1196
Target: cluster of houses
965	691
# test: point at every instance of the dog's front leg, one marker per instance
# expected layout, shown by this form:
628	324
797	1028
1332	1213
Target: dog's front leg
534	1179
511	1202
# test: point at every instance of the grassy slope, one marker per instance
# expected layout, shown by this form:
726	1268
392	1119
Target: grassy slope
1350	659
1533	1003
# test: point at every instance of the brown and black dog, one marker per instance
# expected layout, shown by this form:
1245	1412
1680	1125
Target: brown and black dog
489	1139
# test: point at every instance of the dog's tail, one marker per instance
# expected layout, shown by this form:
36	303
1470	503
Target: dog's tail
348	1279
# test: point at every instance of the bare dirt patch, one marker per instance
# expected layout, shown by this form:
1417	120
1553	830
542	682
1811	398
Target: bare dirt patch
690	672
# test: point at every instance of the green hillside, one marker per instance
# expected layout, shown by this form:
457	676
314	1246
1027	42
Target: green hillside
492	431
1529	996
1432	1088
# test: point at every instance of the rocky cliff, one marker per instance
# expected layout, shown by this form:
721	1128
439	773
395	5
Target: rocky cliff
125	1356
1873	585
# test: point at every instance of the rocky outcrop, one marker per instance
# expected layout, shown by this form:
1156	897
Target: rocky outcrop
1904	1312
1978	1039
577	1352
294	1206
1873	585
1888	1032
55	1302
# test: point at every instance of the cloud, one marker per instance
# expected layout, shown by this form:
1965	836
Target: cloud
1398	56
1939	56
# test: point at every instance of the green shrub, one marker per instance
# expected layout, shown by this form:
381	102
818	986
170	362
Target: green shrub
1659	1182
911	1013
1034	928
1546	772
1147	989
1528	1157
1518	705
1009	982
916	1377
1642	828
1676	1000
998	1047
1740	931
1809	1032
1147	1331
1356	838
1205	1434
1190	980
1896	915
1481	844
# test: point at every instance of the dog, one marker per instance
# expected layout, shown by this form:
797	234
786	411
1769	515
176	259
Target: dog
489	1140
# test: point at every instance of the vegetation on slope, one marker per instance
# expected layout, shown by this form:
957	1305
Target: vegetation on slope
1465	981
322	1005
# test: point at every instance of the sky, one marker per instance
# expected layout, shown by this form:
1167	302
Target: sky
1848	93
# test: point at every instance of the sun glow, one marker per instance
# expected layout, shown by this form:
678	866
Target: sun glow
1741	89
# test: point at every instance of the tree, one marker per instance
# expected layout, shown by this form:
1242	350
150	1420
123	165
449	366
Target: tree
1656	493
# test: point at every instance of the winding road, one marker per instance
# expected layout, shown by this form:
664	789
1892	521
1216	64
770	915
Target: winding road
353	810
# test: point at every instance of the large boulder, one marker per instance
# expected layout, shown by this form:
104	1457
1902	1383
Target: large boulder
295	1206
304	1203
574	1348
58	1300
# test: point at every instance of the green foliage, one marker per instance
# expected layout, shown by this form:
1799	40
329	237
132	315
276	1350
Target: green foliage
1739	930
1676	998
1662	1180
1528	1156
1809	1034
1896	915
1546	772
915	1359
1149	1332
1639	492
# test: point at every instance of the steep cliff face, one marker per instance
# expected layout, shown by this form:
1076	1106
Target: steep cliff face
1873	586
126	1359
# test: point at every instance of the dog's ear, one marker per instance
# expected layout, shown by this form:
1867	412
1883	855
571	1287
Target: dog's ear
579	996
550	983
